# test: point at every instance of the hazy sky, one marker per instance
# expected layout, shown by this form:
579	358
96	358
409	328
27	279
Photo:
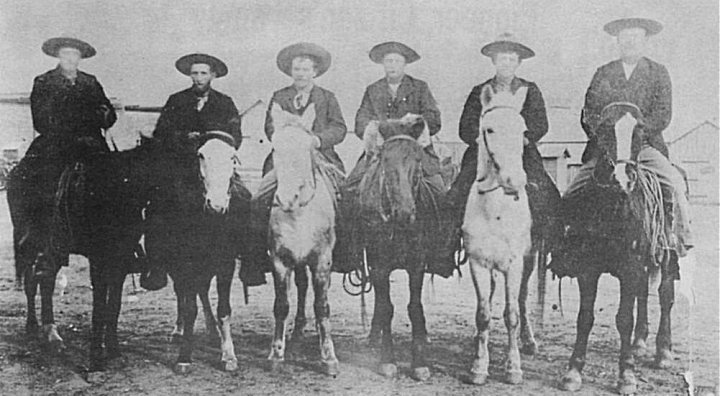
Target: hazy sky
139	41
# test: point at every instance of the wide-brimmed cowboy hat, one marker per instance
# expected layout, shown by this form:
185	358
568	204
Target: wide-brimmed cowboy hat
378	52
185	63
507	42
53	45
319	54
651	26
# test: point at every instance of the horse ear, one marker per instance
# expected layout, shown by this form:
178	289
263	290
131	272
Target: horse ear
520	96
486	96
308	117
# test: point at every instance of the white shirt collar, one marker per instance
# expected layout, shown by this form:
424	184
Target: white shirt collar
628	68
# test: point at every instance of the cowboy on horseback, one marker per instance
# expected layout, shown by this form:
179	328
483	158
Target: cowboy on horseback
645	83
507	54
397	101
303	62
187	116
69	112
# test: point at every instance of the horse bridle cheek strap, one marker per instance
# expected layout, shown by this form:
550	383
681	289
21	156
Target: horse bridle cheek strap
494	164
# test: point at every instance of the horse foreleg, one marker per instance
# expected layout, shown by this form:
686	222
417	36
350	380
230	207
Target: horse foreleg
301	281
50	333
587	283
321	284
177	332
99	311
482	279
281	308
624	322
420	370
224	282
382	318
31	286
188	310
211	323
114	304
529	346
513	368
663	340
641	322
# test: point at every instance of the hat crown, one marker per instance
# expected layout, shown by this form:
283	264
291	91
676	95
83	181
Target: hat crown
507	36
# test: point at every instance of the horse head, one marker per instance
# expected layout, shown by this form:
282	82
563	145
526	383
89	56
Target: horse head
624	116
400	161
217	160
500	142
293	149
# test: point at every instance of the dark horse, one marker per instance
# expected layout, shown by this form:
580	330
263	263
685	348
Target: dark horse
196	226
617	224
96	211
396	219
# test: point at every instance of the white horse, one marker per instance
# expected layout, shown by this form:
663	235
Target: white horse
302	228
496	228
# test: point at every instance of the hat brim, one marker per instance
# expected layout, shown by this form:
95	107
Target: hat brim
53	45
650	26
378	52
319	54
184	64
493	48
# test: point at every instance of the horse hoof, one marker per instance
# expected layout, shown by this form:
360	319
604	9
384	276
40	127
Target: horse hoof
388	370
571	381
96	377
476	378
639	347
529	349
176	338
231	365
374	341
331	368
663	359
627	384
514	377
275	365
31	328
113	353
182	368
420	374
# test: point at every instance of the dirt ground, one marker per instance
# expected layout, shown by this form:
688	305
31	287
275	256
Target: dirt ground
147	318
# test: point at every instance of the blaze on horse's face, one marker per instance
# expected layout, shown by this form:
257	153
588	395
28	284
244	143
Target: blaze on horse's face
400	161
624	170
217	160
293	146
500	142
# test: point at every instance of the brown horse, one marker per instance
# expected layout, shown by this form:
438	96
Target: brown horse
94	211
617	224
394	226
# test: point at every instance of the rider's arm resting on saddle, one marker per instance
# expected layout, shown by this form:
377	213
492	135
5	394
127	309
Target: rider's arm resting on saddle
534	114
590	116
364	115
657	116
41	105
105	111
470	118
334	130
429	109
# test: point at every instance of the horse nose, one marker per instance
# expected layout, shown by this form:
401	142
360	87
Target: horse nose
216	205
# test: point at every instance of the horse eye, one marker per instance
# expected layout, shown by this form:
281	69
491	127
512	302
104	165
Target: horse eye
201	156
489	130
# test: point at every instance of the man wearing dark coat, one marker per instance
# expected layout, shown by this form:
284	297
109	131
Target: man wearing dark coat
69	112
645	83
506	54
185	118
396	96
303	62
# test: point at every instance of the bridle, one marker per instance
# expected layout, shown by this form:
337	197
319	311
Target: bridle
383	185
509	190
